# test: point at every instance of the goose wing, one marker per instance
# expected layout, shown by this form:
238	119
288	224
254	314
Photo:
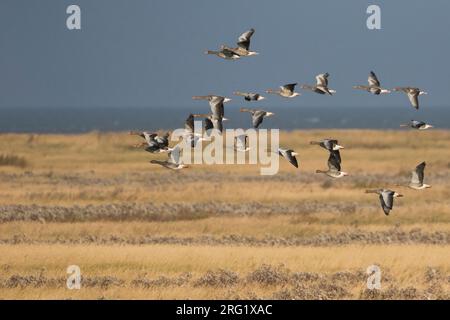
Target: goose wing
287	154
334	163
413	96
189	123
208	125
373	80
387	200
149	137
174	155
217	123
244	39
216	104
418	174
257	118
322	79
329	144
289	87
417	124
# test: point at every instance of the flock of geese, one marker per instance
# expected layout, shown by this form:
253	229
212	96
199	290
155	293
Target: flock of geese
155	143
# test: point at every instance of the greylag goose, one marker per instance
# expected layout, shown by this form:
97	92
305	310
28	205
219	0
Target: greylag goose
289	155
173	162
417	177
386	198
243	44
249	96
412	93
286	91
257	116
321	86
419	125
334	166
374	85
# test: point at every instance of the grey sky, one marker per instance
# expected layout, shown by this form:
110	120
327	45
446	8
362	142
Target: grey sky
150	53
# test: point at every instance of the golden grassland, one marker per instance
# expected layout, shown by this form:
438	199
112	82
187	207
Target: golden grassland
142	231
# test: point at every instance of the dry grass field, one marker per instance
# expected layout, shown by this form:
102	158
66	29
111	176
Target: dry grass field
137	230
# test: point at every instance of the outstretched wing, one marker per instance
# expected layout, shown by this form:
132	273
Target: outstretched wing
257	118
189	123
417	124
387	201
244	39
414	98
216	104
174	155
208	124
373	80
289	87
329	144
419	173
322	79
334	164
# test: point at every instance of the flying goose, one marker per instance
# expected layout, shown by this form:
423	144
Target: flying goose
386	198
153	143
412	93
321	86
224	53
249	96
173	162
216	104
334	166
419	125
243	44
289	155
374	85
286	91
328	144
257	116
417	178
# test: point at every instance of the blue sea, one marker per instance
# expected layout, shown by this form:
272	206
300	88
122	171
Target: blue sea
78	120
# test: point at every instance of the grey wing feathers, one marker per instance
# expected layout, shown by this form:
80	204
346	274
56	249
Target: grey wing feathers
334	163
244	39
373	80
289	87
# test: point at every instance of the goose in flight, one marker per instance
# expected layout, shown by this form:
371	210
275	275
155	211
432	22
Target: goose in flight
216	104
334	166
289	155
417	178
224	53
257	116
286	91
243	44
386	198
173	162
321	86
412	93
249	96
374	85
419	125
328	144
153	142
